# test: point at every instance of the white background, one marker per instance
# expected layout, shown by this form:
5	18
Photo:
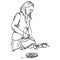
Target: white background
45	27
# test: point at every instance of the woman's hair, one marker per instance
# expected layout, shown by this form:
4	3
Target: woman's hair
26	5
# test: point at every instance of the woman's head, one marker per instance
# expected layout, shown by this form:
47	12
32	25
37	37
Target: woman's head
27	8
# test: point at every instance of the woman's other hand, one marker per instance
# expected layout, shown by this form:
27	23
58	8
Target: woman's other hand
26	36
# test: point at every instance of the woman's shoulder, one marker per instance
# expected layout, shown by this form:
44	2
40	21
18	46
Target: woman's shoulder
17	15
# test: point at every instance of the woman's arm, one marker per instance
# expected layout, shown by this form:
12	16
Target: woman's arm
15	24
30	31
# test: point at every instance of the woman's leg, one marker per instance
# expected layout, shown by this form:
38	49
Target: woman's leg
28	43
16	41
14	45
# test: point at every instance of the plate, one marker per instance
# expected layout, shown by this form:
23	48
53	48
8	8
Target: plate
31	55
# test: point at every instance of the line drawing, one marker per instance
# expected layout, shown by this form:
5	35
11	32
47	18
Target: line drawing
22	33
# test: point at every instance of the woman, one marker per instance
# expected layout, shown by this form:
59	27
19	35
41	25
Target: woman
22	37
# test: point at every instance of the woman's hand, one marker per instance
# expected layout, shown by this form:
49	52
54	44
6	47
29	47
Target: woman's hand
25	36
27	32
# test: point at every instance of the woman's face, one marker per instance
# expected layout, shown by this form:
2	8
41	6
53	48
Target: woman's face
29	10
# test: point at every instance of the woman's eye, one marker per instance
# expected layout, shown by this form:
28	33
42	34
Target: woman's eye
31	10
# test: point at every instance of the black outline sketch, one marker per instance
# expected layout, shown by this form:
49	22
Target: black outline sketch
25	11
24	29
